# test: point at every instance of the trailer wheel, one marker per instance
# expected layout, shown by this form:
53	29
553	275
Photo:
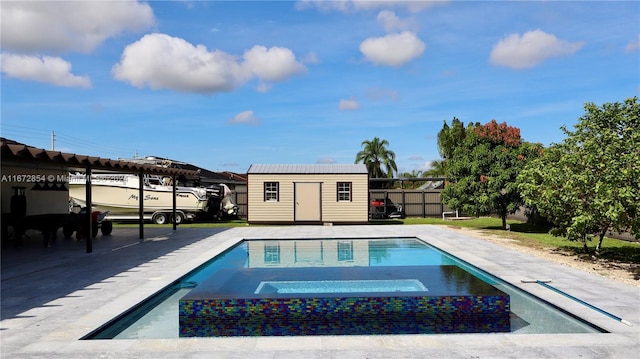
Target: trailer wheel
160	218
179	218
106	227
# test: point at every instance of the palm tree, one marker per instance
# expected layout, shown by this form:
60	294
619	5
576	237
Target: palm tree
438	169
375	155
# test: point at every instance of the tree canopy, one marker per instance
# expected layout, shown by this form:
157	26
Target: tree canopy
451	137
379	160
437	169
590	183
483	168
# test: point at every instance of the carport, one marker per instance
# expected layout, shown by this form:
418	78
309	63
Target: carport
35	168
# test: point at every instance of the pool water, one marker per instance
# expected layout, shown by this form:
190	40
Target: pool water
270	264
341	286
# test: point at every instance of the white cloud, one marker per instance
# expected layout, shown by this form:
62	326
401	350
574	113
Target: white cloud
424	166
419	166
393	49
381	94
633	45
39	26
530	49
161	61
326	160
244	118
311	58
164	62
46	69
416	158
273	64
349	105
366	5
338	5
263	87
390	22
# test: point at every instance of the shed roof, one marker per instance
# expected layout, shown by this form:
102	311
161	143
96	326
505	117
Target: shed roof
307	169
19	152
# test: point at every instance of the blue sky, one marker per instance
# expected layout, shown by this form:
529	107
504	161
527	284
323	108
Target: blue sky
226	84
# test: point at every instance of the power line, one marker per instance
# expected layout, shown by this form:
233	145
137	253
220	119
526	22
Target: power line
26	128
21	135
44	136
77	140
22	131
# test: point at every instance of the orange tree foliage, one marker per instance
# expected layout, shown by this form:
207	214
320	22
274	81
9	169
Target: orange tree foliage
499	133
483	169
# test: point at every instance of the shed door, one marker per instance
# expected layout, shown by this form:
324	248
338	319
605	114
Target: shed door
307	202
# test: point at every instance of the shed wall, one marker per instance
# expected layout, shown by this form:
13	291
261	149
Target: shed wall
355	211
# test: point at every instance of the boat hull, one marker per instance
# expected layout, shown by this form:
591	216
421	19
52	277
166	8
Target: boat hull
125	200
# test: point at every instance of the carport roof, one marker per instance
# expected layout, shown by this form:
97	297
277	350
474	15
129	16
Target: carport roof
13	151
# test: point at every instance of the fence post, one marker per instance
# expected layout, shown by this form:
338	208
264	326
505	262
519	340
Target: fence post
424	205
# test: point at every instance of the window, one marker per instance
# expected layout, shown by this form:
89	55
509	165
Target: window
272	253
345	251
271	192
344	191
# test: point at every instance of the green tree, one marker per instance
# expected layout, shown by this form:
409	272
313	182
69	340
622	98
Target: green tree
437	169
380	161
451	137
590	183
482	170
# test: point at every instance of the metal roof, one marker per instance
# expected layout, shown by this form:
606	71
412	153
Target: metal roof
307	169
19	152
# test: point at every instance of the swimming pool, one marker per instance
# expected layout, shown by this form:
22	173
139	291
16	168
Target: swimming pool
159	317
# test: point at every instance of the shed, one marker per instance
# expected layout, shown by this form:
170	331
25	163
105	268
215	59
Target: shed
310	194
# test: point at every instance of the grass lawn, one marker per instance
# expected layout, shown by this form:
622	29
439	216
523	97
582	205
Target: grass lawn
538	237
527	235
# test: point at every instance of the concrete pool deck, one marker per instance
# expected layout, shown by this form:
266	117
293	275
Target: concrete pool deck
51	297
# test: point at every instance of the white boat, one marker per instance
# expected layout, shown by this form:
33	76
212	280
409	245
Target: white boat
119	194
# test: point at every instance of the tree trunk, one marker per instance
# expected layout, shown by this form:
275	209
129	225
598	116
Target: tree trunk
584	243
599	246
504	222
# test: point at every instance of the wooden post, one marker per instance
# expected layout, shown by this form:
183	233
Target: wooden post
173	181
141	203
88	224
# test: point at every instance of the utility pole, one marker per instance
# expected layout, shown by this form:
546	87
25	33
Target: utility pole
53	141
